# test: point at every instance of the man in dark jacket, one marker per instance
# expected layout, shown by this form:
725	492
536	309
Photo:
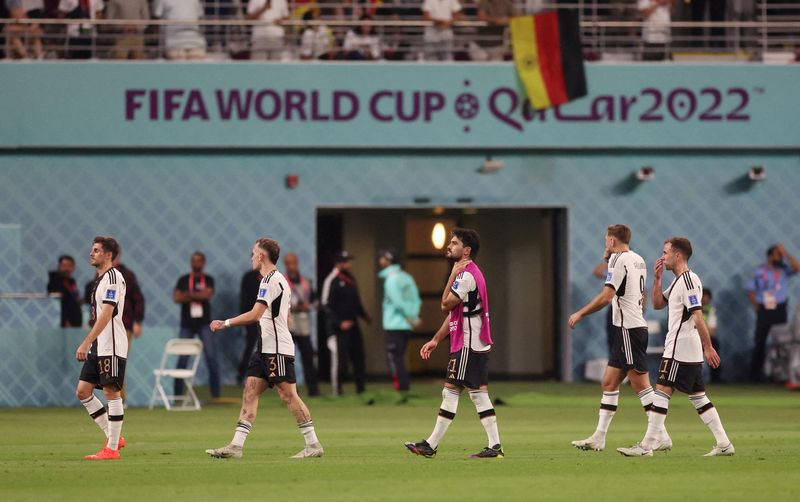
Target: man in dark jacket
61	281
343	308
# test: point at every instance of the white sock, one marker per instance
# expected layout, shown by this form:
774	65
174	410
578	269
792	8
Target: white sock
446	415
307	428
243	428
710	417
97	411
646	398
608	406
487	415
115	415
656	419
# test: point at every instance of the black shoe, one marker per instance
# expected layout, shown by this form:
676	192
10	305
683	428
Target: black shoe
422	449
495	451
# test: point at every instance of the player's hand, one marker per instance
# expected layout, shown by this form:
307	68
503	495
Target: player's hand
217	325
83	351
458	267
607	255
574	319
345	325
658	269
712	357
427	349
137	329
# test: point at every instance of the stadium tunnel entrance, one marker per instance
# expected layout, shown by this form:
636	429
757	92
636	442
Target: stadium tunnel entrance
523	255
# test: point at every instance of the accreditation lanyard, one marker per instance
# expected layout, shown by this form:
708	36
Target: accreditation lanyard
196	308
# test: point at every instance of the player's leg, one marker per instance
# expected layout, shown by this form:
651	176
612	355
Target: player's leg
488	418
85	393
612	379
116	414
253	388
667	381
708	413
640	382
447	413
287	391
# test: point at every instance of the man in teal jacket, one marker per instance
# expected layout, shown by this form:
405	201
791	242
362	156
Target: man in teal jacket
401	304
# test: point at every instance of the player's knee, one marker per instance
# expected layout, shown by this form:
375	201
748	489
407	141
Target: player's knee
82	394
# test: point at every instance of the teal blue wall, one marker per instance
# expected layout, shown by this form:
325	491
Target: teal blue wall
164	206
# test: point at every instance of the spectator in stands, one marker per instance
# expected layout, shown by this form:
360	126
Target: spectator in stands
62	282
768	294
182	41
656	33
81	37
129	43
438	38
710	316
316	41
491	43
708	10
268	41
360	43
32	33
396	44
219	10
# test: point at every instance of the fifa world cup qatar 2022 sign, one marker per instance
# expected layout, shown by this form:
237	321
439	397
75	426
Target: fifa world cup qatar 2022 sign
402	106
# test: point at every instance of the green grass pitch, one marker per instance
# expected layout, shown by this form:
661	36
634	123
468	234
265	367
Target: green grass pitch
42	451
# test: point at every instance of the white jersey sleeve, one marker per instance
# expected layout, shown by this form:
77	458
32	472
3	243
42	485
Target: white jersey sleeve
463	285
693	293
616	271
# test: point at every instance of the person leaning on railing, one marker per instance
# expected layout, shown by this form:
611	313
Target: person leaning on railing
181	41
129	43
25	9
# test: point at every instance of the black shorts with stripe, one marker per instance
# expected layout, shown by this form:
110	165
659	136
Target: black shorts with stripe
274	368
686	377
629	349
104	371
468	368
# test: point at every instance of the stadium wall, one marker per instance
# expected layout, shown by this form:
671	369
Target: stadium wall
164	203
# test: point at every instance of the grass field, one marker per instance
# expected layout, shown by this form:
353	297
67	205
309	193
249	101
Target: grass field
365	459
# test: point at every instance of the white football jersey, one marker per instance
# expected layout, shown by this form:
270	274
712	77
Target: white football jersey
684	296
274	292
109	290
466	289
627	274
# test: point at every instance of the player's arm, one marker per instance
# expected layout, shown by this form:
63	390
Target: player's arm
180	296
598	302
428	348
657	295
705	338
103	318
449	297
243	319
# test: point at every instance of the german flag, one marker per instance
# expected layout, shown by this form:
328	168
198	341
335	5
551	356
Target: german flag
548	57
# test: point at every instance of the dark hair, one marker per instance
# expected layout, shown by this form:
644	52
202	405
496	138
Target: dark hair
270	247
771	249
469	238
109	244
66	257
200	254
620	232
708	292
359	30
681	244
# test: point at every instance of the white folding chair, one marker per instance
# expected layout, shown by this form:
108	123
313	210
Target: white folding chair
191	348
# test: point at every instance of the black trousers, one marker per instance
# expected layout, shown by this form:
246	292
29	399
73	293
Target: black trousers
307	356
350	347
716	12
765	319
252	333
396	344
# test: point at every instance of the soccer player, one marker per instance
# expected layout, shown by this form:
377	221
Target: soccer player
625	280
272	365
687	341
105	349
467	302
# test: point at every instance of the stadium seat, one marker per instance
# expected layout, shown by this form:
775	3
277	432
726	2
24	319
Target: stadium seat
178	347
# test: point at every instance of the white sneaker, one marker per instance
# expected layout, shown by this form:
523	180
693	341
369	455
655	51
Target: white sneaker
228	451
721	451
636	450
664	443
590	443
311	451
